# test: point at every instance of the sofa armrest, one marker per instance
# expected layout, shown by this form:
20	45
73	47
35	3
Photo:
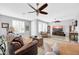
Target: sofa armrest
28	48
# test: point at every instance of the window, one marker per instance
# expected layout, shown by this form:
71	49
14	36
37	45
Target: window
19	26
42	27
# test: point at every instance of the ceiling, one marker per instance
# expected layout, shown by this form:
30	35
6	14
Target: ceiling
59	11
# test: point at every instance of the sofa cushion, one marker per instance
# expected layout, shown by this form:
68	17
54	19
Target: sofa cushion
19	39
17	43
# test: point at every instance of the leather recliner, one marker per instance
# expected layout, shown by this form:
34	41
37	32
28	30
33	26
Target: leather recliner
27	49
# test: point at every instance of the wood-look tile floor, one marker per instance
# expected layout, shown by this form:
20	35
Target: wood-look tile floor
51	41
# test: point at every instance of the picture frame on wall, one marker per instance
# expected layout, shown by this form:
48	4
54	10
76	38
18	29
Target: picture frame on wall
27	28
5	25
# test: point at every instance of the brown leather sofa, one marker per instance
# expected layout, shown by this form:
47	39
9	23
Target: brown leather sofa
26	49
44	34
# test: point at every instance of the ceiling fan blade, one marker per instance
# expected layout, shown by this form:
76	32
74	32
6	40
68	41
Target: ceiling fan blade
42	12
42	7
32	7
31	12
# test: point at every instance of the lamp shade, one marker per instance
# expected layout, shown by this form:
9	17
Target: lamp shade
11	29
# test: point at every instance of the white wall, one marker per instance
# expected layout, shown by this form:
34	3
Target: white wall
4	20
7	19
66	24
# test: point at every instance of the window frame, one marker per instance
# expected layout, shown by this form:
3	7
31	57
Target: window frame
20	21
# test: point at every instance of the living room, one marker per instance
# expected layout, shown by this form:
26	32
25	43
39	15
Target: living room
39	28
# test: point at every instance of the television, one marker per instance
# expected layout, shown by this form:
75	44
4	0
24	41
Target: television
57	28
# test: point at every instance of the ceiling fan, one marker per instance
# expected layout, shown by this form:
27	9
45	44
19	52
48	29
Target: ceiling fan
39	10
56	21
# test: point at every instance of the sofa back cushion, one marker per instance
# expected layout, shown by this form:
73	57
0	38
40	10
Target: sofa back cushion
18	39
17	42
16	45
